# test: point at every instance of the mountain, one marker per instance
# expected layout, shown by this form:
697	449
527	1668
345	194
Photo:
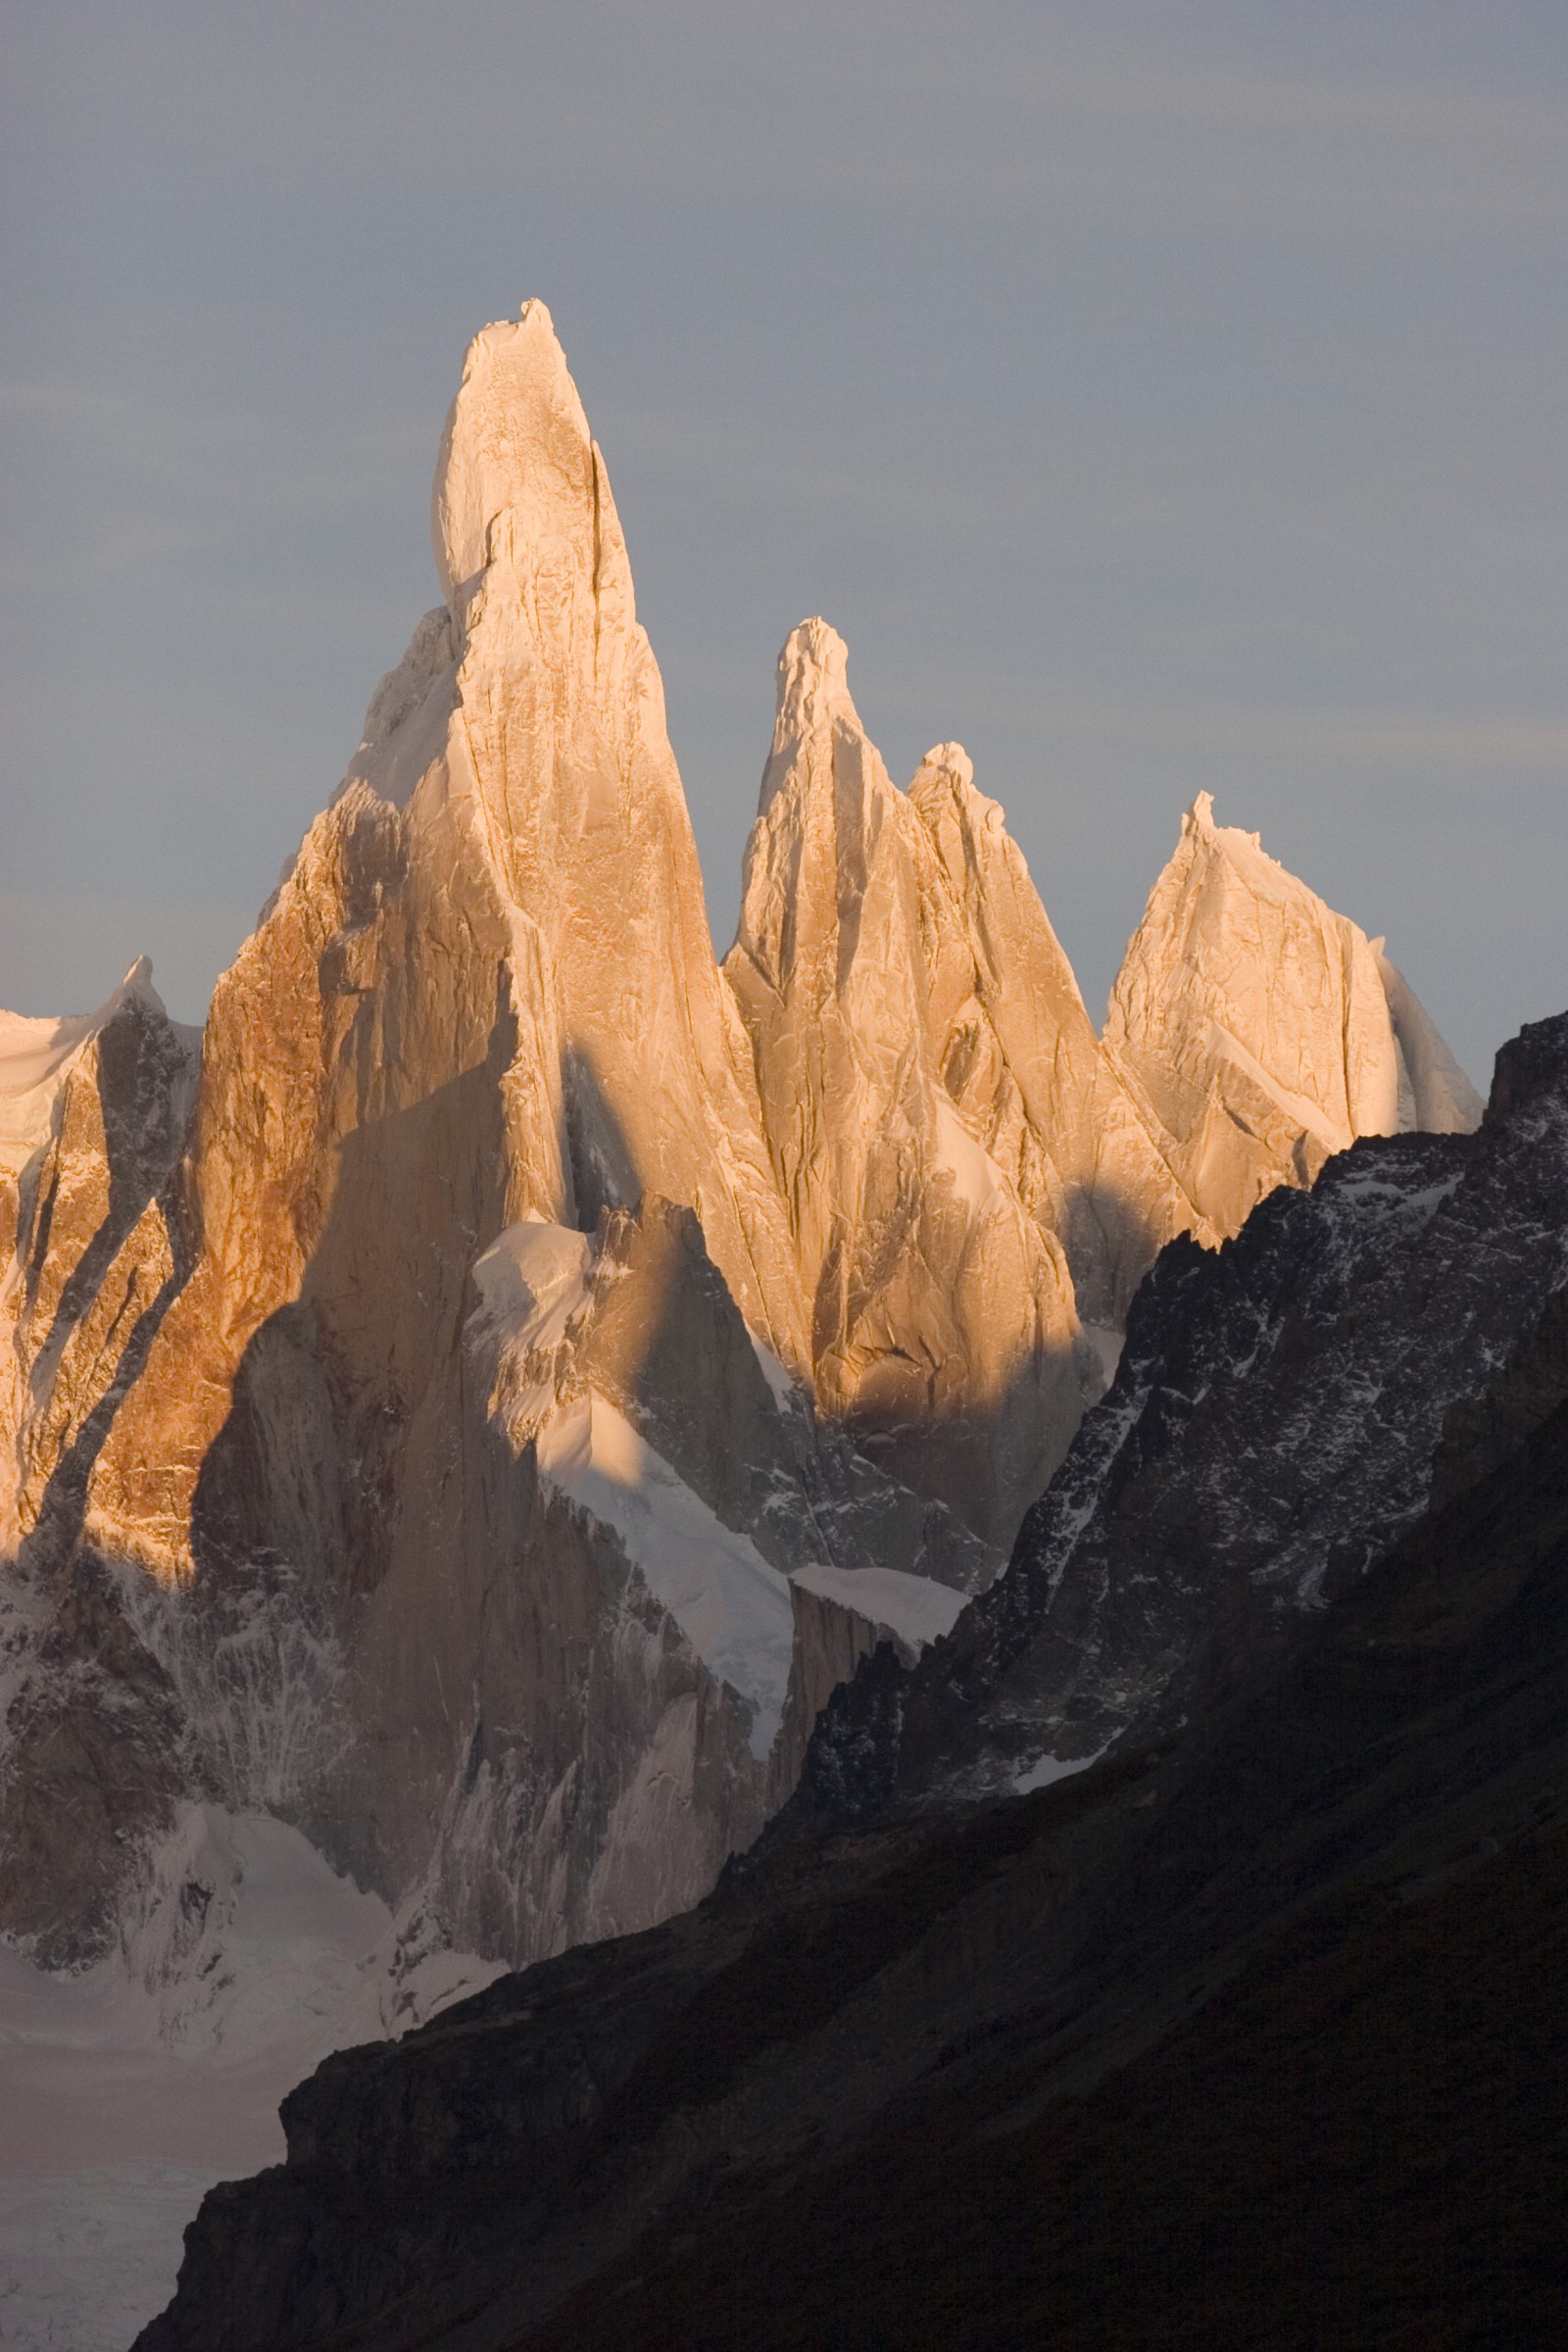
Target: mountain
1245	2032
962	1179
1263	1031
447	1410
478	1677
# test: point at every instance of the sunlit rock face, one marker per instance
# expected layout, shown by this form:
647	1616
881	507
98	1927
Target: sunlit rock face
486	987
1265	1032
1023	1064
419	1408
964	1177
559	739
484	992
93	1119
484	999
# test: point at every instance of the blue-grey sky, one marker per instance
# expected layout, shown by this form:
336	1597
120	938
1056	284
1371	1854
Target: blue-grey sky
1157	394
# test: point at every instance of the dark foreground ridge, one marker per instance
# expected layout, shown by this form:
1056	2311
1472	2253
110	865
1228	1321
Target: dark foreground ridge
1249	2035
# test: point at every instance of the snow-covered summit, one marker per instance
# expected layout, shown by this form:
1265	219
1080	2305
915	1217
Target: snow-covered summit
38	1053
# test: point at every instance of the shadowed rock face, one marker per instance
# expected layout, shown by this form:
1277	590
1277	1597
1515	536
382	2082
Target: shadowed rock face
482	1576
1288	1981
1283	1409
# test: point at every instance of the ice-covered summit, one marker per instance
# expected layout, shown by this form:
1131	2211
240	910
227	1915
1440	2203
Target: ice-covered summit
38	1053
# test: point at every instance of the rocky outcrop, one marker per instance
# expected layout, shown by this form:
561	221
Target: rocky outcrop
93	1121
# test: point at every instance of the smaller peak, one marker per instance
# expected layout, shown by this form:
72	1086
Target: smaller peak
813	649
813	680
136	987
1199	817
814	694
951	759
943	786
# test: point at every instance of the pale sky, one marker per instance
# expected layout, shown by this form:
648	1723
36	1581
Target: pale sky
1156	396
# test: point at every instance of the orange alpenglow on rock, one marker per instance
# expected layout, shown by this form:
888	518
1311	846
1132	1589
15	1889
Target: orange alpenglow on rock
417	1400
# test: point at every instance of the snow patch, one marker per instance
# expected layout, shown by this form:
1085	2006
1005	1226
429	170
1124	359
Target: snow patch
1046	1769
532	1279
37	1057
733	1608
127	2091
913	1609
977	1180
783	1387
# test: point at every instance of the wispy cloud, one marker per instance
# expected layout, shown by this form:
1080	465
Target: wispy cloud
890	100
1393	739
235	457
928	102
64	951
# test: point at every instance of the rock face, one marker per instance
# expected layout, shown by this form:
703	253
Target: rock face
93	1119
417	1422
1282	1412
961	1171
482	1003
1265	1032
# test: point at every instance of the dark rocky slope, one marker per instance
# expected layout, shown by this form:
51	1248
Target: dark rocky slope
1271	1430
1253	2037
1251	2034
